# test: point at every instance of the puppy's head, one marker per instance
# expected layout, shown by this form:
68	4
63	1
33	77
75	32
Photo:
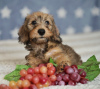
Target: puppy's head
39	28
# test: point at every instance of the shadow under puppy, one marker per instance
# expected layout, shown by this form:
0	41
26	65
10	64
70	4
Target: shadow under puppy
41	37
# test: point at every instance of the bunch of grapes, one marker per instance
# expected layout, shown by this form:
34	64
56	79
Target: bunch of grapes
35	78
45	75
71	76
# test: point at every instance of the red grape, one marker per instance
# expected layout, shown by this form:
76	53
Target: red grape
69	70
46	84
43	80
23	72
52	83
49	81
71	83
7	87
36	70
78	78
83	74
45	75
74	76
66	67
66	78
49	65
59	77
50	72
39	85
56	82
74	66
43	69
62	74
39	75
52	68
75	70
19	83
61	83
22	78
29	77
53	78
30	71
32	86
41	65
26	83
12	84
35	79
83	81
3	86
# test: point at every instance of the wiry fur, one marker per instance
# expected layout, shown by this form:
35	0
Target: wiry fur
49	45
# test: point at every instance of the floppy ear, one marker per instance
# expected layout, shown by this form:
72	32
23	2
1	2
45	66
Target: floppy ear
57	37
23	34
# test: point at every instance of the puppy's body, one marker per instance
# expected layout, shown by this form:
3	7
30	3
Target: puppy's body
42	39
62	54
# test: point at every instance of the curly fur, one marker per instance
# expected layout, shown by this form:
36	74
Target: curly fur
49	45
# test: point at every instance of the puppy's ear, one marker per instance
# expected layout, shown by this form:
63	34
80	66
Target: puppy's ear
57	37
23	34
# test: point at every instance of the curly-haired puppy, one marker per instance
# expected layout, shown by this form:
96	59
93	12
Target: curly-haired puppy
41	37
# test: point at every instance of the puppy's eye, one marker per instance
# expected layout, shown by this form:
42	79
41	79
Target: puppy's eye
47	22
34	22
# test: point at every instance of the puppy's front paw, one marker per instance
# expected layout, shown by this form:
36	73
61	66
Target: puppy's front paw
60	67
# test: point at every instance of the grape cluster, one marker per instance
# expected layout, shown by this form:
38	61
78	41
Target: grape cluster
45	75
35	78
71	76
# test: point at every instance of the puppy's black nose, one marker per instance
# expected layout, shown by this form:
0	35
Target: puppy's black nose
41	31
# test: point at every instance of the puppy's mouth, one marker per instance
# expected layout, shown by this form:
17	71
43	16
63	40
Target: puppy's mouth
41	37
40	40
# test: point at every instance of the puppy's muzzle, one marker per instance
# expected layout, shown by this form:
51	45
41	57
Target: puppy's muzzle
41	32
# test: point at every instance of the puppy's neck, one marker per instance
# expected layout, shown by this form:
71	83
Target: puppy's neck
51	45
33	46
38	50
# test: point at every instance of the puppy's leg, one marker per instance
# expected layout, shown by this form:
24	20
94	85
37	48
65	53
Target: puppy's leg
61	60
52	52
34	62
59	57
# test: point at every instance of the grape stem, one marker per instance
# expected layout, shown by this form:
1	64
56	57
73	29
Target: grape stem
84	78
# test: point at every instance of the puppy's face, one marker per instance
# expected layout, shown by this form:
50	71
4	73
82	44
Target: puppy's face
39	28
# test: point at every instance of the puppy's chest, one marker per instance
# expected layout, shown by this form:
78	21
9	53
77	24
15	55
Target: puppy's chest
39	51
46	51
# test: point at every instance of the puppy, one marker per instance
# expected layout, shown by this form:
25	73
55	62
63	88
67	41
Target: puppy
41	37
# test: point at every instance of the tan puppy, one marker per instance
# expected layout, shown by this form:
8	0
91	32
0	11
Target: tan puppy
41	37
